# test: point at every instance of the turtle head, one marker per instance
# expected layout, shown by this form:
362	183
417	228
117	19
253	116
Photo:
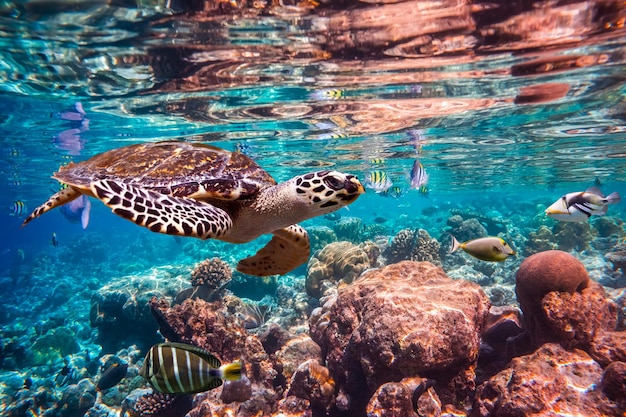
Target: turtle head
327	191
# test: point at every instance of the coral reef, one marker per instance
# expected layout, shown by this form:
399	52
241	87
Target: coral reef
339	261
493	225
550	381
413	245
211	272
465	230
404	320
148	403
540	274
540	240
320	236
617	257
349	229
310	386
206	325
573	236
121	312
609	226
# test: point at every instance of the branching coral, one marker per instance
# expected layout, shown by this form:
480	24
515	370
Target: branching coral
155	404
414	245
211	272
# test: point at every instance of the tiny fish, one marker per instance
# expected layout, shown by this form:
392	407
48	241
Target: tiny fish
54	240
377	161
419	177
395	192
177	368
492	249
17	208
579	206
112	376
378	181
328	94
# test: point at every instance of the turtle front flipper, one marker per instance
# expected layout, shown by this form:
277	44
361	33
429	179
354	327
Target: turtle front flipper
58	199
163	213
288	249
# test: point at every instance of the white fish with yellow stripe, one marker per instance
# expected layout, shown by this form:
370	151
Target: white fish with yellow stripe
179	368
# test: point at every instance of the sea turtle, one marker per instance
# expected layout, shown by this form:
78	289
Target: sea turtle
191	189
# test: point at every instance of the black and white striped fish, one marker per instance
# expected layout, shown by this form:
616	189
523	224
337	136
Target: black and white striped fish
579	206
178	368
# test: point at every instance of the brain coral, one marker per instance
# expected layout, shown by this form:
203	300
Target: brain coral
542	273
337	261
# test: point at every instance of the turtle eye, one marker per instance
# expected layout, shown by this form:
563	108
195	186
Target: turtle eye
333	182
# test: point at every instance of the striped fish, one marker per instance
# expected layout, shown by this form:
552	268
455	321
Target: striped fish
178	368
17	208
378	181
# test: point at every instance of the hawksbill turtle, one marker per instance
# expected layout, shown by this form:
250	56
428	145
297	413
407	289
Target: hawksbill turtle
190	189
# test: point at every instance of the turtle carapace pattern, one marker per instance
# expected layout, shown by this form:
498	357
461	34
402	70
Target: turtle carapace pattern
191	189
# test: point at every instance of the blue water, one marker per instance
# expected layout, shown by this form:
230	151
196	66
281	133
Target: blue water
509	118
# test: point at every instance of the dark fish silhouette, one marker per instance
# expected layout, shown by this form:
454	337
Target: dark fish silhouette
112	376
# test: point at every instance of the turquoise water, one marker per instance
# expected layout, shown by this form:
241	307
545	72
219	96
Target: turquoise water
506	109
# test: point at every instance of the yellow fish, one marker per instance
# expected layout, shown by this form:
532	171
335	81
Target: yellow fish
492	249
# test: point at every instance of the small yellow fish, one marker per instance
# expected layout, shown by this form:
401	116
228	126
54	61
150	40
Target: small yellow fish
492	249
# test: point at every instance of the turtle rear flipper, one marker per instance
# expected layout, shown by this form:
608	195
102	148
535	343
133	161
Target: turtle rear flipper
163	213
57	199
288	249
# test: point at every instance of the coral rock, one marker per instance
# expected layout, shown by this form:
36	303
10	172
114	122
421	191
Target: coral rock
540	274
338	261
409	397
312	382
403	320
614	383
565	324
239	391
392	399
551	381
297	351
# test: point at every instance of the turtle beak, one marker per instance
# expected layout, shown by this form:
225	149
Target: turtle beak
354	186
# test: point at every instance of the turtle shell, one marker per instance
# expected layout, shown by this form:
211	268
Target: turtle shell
176	168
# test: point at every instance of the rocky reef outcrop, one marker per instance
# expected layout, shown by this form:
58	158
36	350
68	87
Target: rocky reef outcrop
405	320
550	381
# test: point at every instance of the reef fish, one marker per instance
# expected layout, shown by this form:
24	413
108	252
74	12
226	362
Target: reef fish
17	208
579	206
419	177
77	211
112	376
489	248
378	181
178	368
